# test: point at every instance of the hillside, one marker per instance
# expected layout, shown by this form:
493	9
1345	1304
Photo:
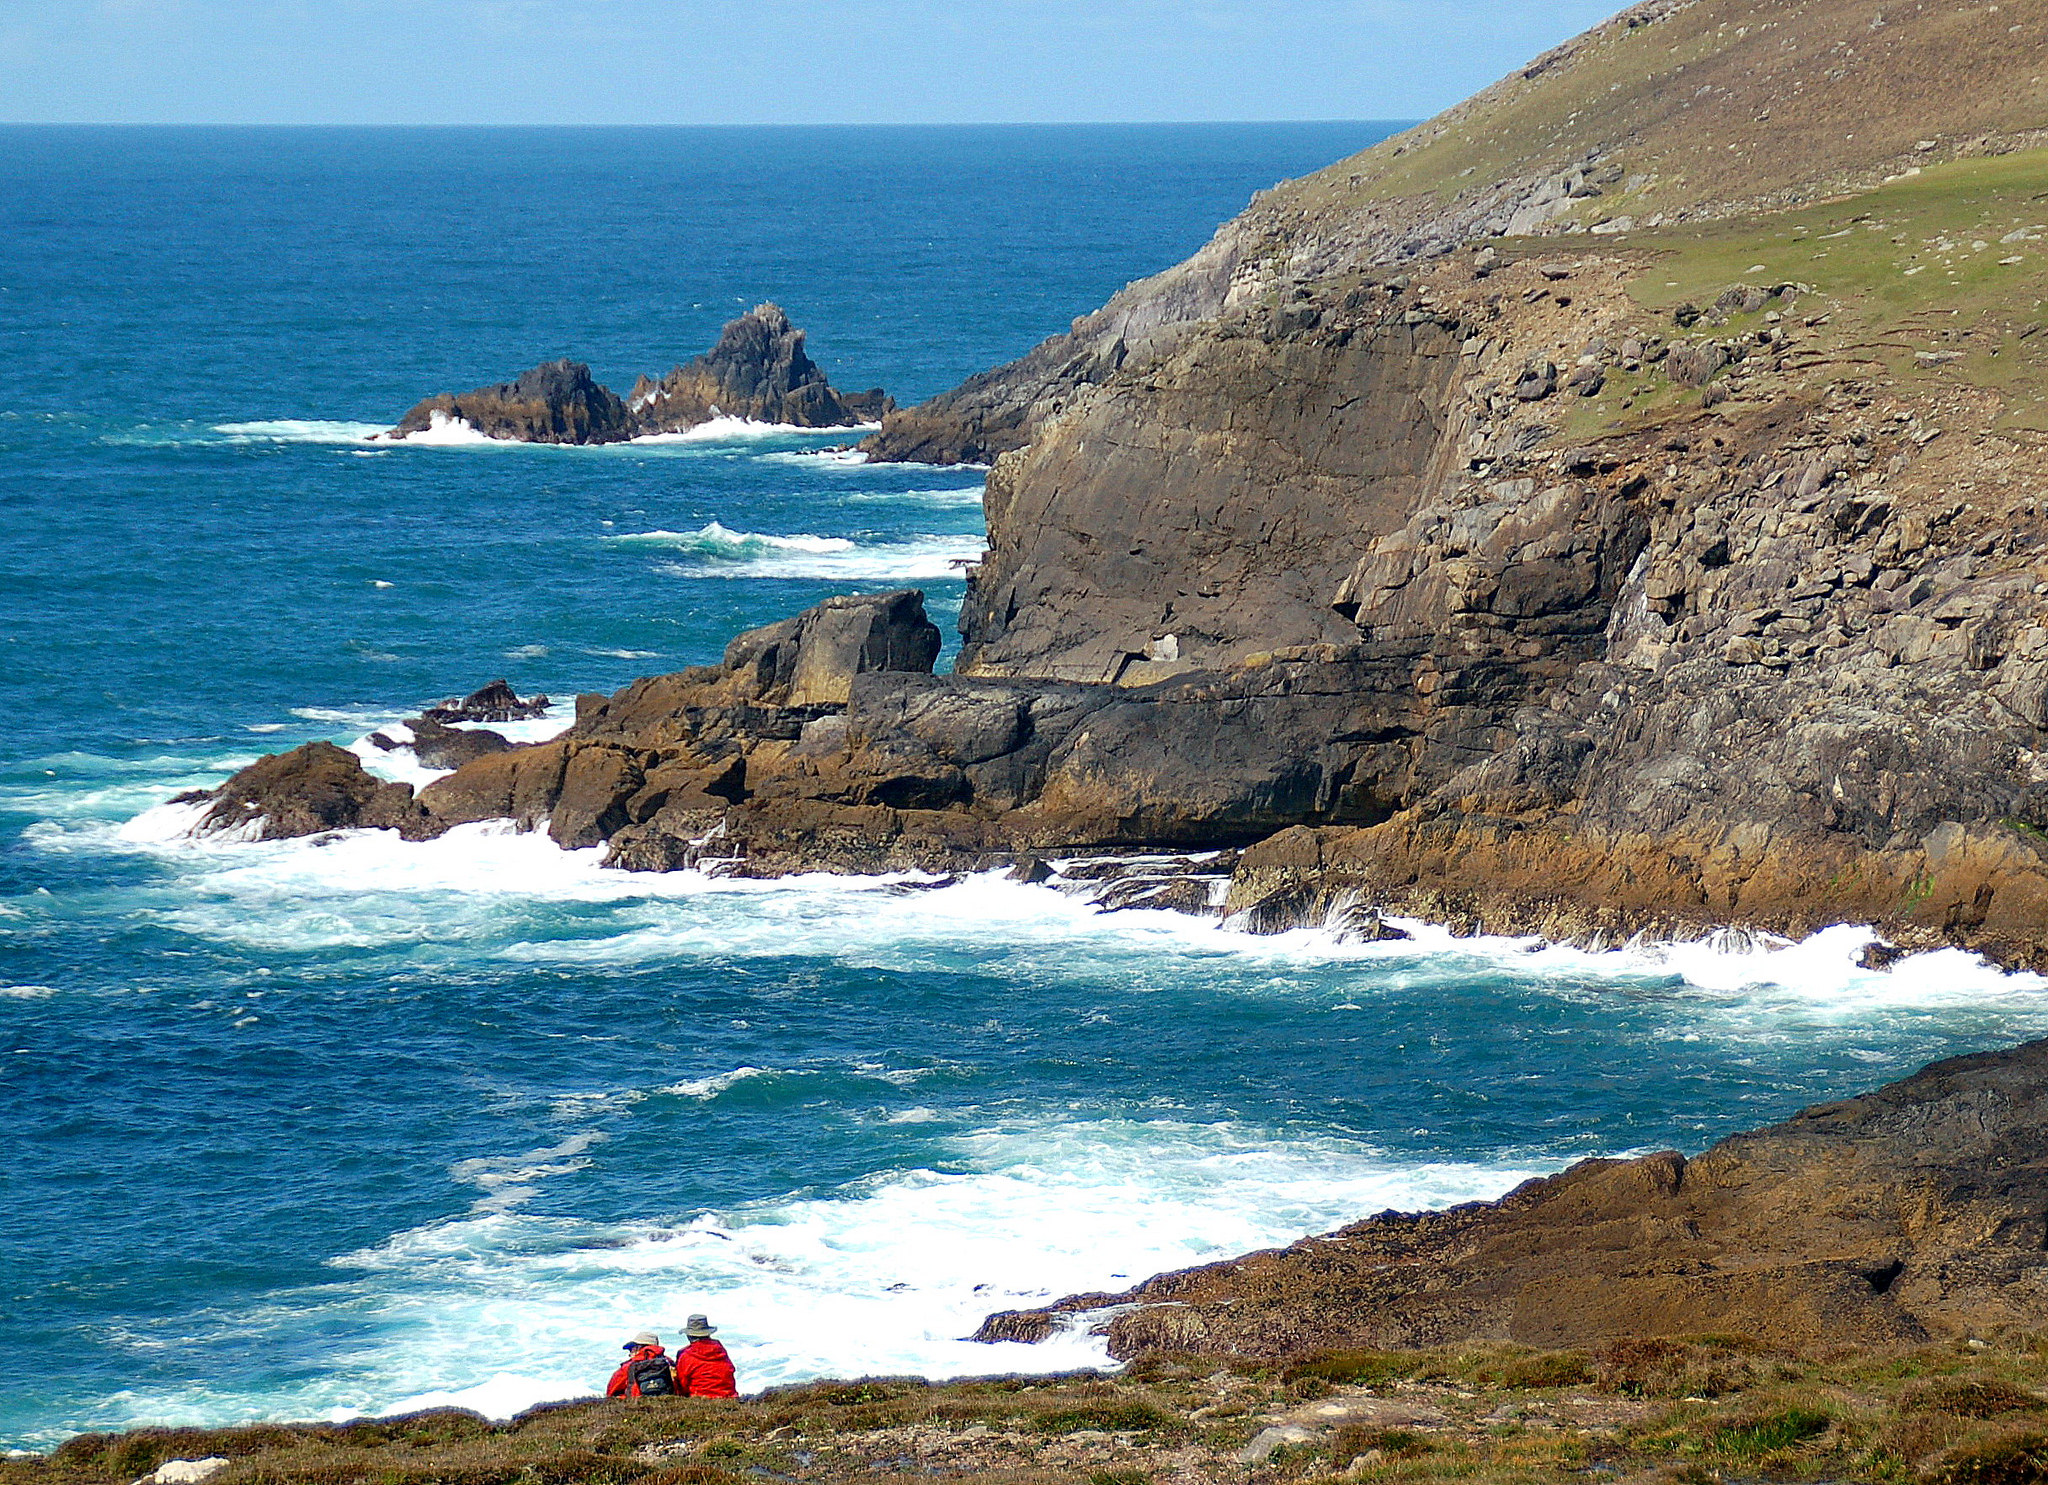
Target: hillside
1671	111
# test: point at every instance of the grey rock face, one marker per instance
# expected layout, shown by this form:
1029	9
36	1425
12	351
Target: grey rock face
759	370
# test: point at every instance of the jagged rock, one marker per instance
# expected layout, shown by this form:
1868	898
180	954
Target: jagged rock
758	370
522	785
1907	1214
439	746
313	788
1694	364
811	660
557	402
495	702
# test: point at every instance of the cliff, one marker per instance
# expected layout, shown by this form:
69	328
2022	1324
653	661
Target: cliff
1904	1215
759	370
1671	111
1671	562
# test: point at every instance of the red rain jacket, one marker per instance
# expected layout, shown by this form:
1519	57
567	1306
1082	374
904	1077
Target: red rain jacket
704	1370
622	1380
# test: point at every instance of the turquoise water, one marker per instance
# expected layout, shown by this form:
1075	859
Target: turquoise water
302	1129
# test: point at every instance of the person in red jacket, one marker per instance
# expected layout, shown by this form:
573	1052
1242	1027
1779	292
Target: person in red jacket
646	1371
703	1369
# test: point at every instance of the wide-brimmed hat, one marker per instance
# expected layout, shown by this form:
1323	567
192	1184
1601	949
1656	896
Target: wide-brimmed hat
645	1338
699	1326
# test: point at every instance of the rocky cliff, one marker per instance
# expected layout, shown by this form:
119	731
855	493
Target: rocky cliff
759	370
1609	507
1672	111
1908	1214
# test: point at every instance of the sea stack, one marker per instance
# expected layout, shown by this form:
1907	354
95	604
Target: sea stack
758	371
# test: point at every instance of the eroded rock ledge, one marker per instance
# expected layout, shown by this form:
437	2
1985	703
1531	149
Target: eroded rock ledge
759	371
1912	1213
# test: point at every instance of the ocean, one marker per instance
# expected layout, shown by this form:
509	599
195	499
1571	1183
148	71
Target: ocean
326	1127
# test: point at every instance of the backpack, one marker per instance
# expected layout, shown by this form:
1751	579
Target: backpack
653	1378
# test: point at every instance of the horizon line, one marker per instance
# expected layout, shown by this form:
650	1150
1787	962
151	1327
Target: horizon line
784	124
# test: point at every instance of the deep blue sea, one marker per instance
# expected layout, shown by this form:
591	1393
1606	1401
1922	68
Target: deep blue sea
306	1129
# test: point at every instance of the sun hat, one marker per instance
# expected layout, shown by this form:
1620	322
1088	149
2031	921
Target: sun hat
645	1338
699	1326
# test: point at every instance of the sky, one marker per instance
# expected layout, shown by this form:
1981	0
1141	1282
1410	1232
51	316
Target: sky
759	61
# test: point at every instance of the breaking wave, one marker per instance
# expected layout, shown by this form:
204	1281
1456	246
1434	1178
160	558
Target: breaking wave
723	552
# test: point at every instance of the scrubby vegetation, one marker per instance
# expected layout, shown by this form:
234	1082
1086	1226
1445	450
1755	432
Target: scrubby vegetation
1691	1412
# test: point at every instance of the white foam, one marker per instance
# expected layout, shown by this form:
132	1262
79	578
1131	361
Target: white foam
502	1309
729	429
719	540
726	553
829	458
27	992
301	430
709	1088
963	498
443	431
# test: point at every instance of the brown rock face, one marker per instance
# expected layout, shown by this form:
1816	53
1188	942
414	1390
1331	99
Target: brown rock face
1913	1212
758	370
312	788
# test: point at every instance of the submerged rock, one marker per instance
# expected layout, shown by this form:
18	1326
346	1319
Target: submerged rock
557	402
760	371
439	746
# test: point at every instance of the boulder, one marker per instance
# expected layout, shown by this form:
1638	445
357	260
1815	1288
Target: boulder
811	660
310	789
437	745
759	370
557	402
495	702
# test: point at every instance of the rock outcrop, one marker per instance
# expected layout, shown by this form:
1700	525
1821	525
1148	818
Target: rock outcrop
1912	1213
495	701
556	402
759	370
314	788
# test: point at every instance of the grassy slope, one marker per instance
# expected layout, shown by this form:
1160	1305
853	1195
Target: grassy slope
1931	281
1693	1412
1716	104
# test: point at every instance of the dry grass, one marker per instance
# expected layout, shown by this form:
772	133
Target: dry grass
1686	1412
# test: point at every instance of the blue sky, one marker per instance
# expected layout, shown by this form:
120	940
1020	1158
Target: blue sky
758	61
